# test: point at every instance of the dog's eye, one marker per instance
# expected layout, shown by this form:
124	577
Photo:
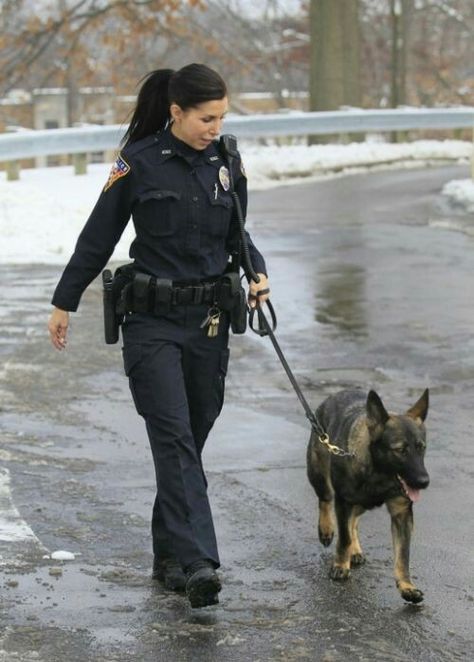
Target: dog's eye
402	450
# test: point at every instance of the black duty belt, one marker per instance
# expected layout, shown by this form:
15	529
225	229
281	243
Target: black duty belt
146	294
189	294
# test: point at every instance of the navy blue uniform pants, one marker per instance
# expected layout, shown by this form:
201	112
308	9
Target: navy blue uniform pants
176	375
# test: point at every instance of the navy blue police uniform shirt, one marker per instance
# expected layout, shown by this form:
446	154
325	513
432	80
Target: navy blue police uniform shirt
181	212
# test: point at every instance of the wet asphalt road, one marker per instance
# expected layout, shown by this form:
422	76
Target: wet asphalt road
371	278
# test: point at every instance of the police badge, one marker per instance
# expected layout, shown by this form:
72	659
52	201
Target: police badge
224	178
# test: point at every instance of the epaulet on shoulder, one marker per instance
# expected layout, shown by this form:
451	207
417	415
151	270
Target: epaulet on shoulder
139	145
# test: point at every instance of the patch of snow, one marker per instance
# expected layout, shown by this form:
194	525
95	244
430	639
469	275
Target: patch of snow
62	555
461	193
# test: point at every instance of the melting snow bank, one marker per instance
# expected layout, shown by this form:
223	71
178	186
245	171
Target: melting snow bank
461	193
42	214
268	166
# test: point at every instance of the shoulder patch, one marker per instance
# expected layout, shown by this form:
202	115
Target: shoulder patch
119	169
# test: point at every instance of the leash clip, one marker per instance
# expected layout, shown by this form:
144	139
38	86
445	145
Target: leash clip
332	448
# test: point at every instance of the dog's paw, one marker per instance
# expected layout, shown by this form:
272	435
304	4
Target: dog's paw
325	537
413	595
339	574
357	560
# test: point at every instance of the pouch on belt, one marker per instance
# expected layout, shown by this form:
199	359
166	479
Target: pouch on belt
231	297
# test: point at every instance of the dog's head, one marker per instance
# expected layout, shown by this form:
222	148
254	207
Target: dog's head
398	443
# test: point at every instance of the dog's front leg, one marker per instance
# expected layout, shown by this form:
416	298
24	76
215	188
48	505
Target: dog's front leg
342	563
357	556
401	512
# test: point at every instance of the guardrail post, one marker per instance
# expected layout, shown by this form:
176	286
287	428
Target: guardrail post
13	170
80	164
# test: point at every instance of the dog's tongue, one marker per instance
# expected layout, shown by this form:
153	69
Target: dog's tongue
413	493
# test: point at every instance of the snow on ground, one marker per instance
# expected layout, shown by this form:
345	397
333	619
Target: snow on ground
272	166
461	193
42	214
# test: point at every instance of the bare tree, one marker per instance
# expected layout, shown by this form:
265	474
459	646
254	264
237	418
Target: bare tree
431	51
43	46
335	52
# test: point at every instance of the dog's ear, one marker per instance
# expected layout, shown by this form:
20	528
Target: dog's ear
376	412
420	408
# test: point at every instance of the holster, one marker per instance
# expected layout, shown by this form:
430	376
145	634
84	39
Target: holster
114	289
231	297
111	322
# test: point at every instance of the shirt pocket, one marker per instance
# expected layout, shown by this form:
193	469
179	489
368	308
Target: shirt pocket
220	213
157	212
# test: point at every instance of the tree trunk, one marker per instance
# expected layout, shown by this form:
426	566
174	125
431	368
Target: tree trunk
351	50
401	12
395	10
335	69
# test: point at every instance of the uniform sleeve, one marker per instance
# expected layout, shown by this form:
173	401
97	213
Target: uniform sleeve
256	257
96	242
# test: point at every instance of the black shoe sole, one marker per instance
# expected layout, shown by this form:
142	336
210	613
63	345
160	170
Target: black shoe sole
204	592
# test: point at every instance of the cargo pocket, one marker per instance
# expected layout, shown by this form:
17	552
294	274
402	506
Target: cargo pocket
157	212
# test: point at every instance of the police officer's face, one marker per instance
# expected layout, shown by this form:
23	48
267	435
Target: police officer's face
199	125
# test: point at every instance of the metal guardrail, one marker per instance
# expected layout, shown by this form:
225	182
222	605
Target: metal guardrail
27	143
353	121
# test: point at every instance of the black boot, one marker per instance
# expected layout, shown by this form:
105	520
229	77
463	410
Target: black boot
202	584
169	572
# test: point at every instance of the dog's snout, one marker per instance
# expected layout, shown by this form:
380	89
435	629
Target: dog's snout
423	482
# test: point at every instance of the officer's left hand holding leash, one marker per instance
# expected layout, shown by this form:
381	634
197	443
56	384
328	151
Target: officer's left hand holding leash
258	292
57	326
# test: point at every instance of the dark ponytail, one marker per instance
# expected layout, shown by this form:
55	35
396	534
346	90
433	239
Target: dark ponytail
188	87
151	112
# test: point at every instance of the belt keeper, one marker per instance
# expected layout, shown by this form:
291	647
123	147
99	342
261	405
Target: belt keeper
198	295
209	292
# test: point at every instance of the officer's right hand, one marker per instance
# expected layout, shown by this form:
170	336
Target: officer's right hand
57	327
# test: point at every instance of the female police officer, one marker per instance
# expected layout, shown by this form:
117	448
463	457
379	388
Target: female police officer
171	178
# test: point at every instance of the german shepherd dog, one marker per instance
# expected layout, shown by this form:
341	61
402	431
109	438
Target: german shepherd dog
387	466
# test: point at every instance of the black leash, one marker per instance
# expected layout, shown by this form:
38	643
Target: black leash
228	148
264	329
